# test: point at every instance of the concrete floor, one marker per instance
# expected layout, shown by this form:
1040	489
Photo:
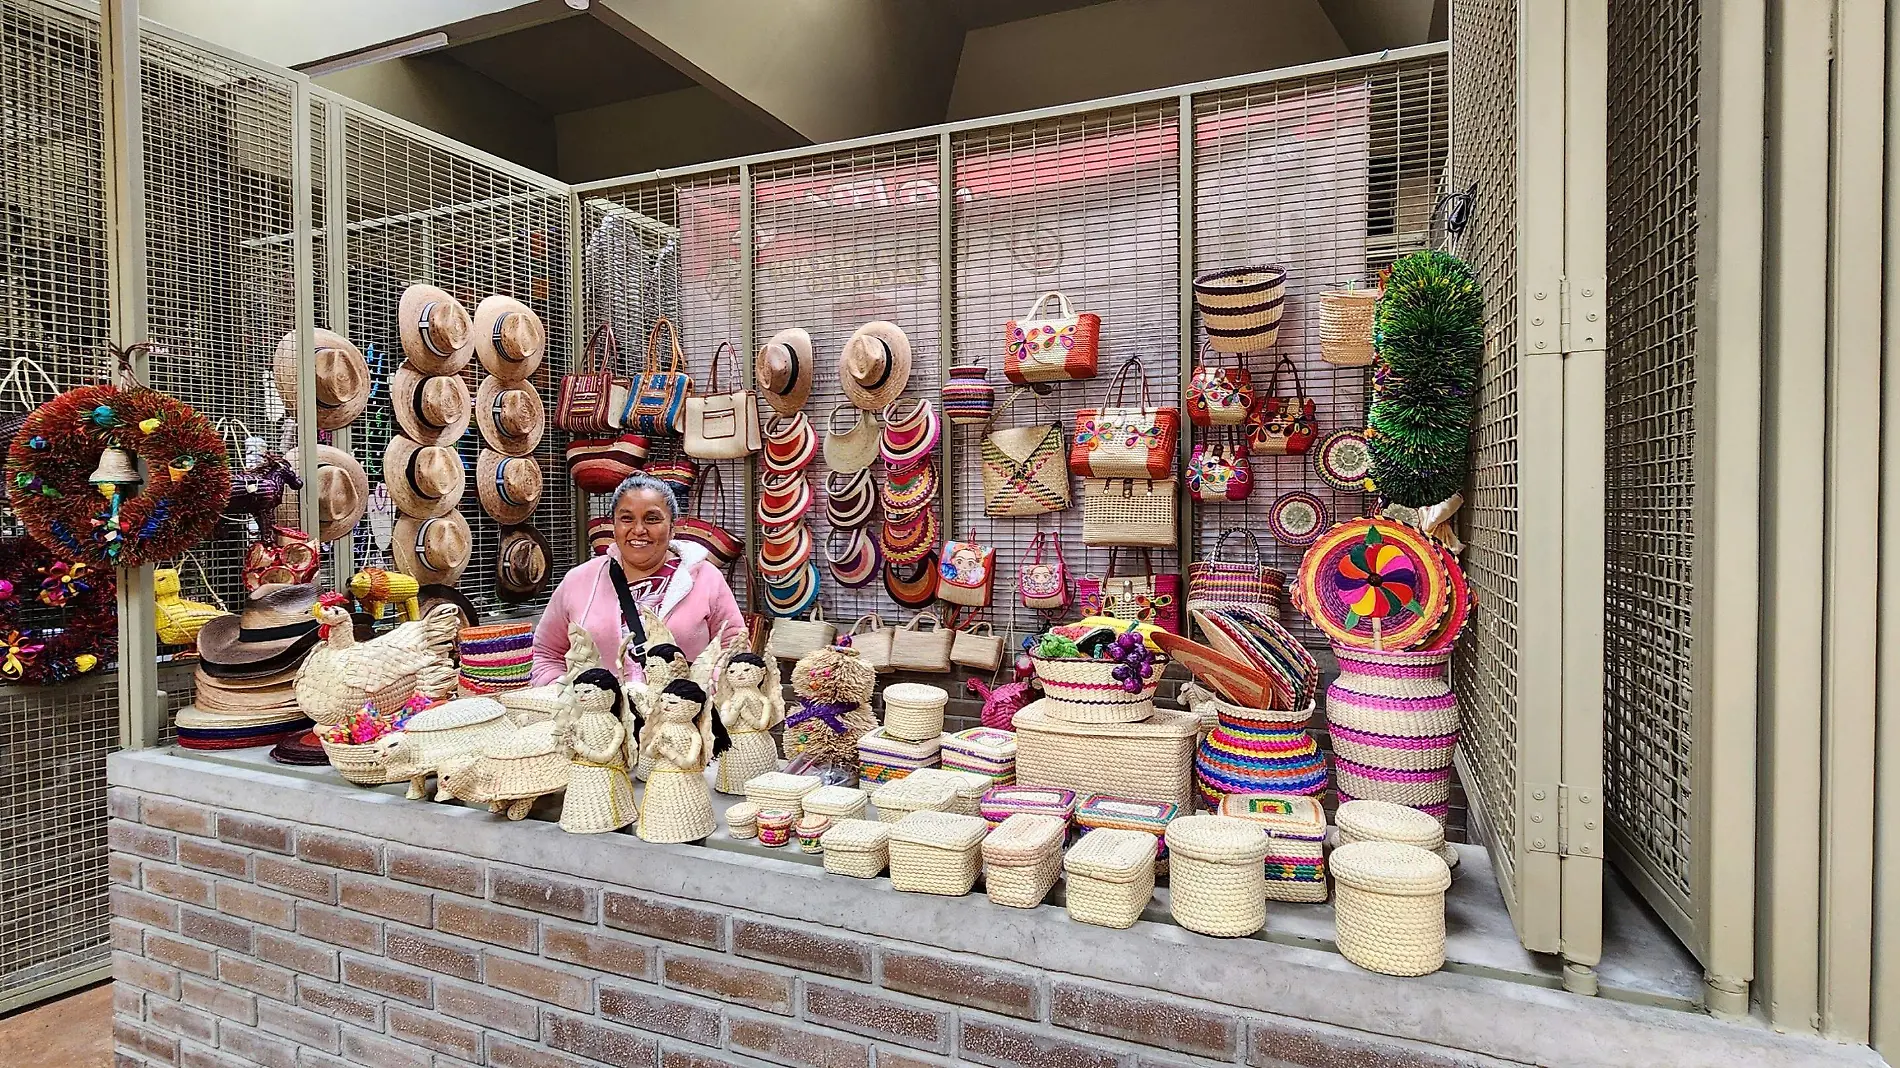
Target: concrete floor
74	1031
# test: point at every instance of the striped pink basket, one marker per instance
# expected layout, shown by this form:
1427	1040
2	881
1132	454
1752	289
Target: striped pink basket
1393	720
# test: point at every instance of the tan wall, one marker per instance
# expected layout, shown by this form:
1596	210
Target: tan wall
294	32
446	97
1130	45
651	132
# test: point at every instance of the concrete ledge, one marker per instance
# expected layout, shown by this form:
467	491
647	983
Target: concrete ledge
1490	1018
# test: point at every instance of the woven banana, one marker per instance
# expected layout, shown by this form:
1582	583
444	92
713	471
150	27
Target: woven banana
858	848
1022	858
1111	877
1389	907
1217	881
936	853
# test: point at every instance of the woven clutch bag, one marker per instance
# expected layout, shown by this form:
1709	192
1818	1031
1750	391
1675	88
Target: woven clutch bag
1129	511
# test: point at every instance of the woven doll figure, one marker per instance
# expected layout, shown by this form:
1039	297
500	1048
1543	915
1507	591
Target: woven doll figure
683	736
750	701
599	793
833	688
661	664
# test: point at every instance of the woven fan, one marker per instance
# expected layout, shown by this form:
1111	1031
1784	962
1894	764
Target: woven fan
1374	584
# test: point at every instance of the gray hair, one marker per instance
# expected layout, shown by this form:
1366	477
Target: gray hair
639	481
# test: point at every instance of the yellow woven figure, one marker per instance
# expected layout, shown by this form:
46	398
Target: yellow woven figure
376	587
599	791
179	620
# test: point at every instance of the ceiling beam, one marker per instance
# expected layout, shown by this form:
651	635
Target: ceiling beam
1376	25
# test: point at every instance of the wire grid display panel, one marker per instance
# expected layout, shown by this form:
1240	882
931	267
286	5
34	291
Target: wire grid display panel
1088	205
420	212
53	310
840	240
674	249
1484	152
1331	177
219	154
1649	465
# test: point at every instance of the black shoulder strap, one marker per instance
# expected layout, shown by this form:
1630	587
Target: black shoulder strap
629	611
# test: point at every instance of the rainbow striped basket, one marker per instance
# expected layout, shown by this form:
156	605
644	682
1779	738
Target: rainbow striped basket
1257	751
1393	720
497	657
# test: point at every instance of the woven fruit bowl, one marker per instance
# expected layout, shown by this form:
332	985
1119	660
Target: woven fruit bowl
366	764
1086	690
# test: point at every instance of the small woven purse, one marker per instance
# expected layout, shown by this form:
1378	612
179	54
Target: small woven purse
913	648
1024	471
1044	583
1218	579
1129	511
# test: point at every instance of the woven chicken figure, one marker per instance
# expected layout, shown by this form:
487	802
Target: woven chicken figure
179	619
833	688
340	676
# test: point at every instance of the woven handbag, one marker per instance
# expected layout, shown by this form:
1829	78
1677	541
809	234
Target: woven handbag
1145	597
657	399
913	648
1044	583
1219	472
722	426
1059	348
598	465
966	573
1219	396
591	397
1123	441
714	534
792	638
873	643
976	646
1129	511
1221	580
1023	471
1282	426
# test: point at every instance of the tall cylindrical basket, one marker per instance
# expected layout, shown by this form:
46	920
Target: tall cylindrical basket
1393	720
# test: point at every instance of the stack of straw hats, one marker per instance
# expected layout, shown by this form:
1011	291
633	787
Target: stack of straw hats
344	385
246	671
432	408
510	341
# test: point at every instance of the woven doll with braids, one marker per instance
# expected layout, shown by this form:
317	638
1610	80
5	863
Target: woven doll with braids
833	687
750	701
683	736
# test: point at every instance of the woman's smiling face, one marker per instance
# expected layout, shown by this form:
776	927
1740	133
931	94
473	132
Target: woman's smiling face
643	526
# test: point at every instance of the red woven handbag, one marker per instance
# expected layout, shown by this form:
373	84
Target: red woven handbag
1125	441
1060	348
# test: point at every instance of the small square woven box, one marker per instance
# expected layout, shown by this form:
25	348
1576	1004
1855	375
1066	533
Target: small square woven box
895	800
936	853
969	786
885	758
858	848
1216	875
777	789
1021	859
1002	802
1296	841
838	802
1111	877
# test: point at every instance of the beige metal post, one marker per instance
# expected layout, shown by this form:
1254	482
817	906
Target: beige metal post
1885	1032
947	324
1184	149
304	275
749	331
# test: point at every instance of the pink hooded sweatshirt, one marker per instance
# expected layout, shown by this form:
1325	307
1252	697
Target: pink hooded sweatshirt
697	605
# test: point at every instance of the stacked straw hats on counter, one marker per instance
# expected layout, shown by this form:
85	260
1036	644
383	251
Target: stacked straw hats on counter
247	669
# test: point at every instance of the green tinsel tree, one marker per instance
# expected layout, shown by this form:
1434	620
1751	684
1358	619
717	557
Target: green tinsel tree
1429	335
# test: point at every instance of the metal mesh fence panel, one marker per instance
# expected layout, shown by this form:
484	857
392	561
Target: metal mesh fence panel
53	312
673	249
1649	466
417	210
1484	153
1332	177
839	240
1088	205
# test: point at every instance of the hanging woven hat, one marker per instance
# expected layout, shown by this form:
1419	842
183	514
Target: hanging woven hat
875	365
509	487
857	566
429	596
600	535
522	563
795	595
275	619
790	443
510	415
509	338
343	378
785	370
849	499
425	481
342	491
903	493
909	439
437	334
783	499
780	556
854	449
432	550
912	585
433	409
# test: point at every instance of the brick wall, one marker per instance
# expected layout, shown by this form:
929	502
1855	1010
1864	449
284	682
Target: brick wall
245	940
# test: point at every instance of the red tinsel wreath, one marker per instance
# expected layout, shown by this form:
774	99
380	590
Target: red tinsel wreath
187	480
88	637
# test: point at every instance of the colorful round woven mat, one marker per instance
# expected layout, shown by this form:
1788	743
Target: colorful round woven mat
1459	612
1343	461
1367	570
1297	518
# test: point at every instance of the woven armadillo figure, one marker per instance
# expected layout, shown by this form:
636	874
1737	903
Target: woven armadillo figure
1000	704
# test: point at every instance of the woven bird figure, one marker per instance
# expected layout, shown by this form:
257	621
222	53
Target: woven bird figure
376	587
179	619
341	676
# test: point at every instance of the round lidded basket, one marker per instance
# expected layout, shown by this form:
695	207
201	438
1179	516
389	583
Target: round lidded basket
742	820
1384	821
775	826
1345	326
1217	874
1086	691
1240	307
810	830
1389	907
913	711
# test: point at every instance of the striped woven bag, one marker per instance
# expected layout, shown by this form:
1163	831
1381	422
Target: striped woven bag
1221	580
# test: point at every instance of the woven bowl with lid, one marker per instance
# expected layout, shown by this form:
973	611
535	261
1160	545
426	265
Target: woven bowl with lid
777	789
1389	907
1217	875
910	794
1217	839
1386	821
742	820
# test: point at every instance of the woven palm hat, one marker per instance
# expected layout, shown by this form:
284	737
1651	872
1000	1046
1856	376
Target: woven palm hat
282	678
510	416
509	487
786	366
276	617
522	563
433	409
425	481
218	706
433	550
435	593
509	337
875	365
342	491
437	334
343	378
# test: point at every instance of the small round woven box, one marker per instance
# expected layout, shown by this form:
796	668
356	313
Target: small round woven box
1384	821
913	711
1111	877
1389	907
1022	858
936	853
1217	875
742	820
857	848
895	800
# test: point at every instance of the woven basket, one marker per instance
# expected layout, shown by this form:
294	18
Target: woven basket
364	765
1240	307
858	848
1217	881
882	758
970	788
1389	907
775	826
810	831
1428	791
1022	858
1257	750
1086	691
913	712
1002	802
742	820
791	639
936	853
895	800
1153	759
1129	511
1111	877
873	645
781	790
982	751
1296	841
1345	326
1383	821
838	802
1130	814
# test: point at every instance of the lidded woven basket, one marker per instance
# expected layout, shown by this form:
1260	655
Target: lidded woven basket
838	802
742	820
934	852
858	848
1021	859
913	711
895	800
1111	877
1385	821
778	789
1295	827
1389	907
1216	875
970	787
